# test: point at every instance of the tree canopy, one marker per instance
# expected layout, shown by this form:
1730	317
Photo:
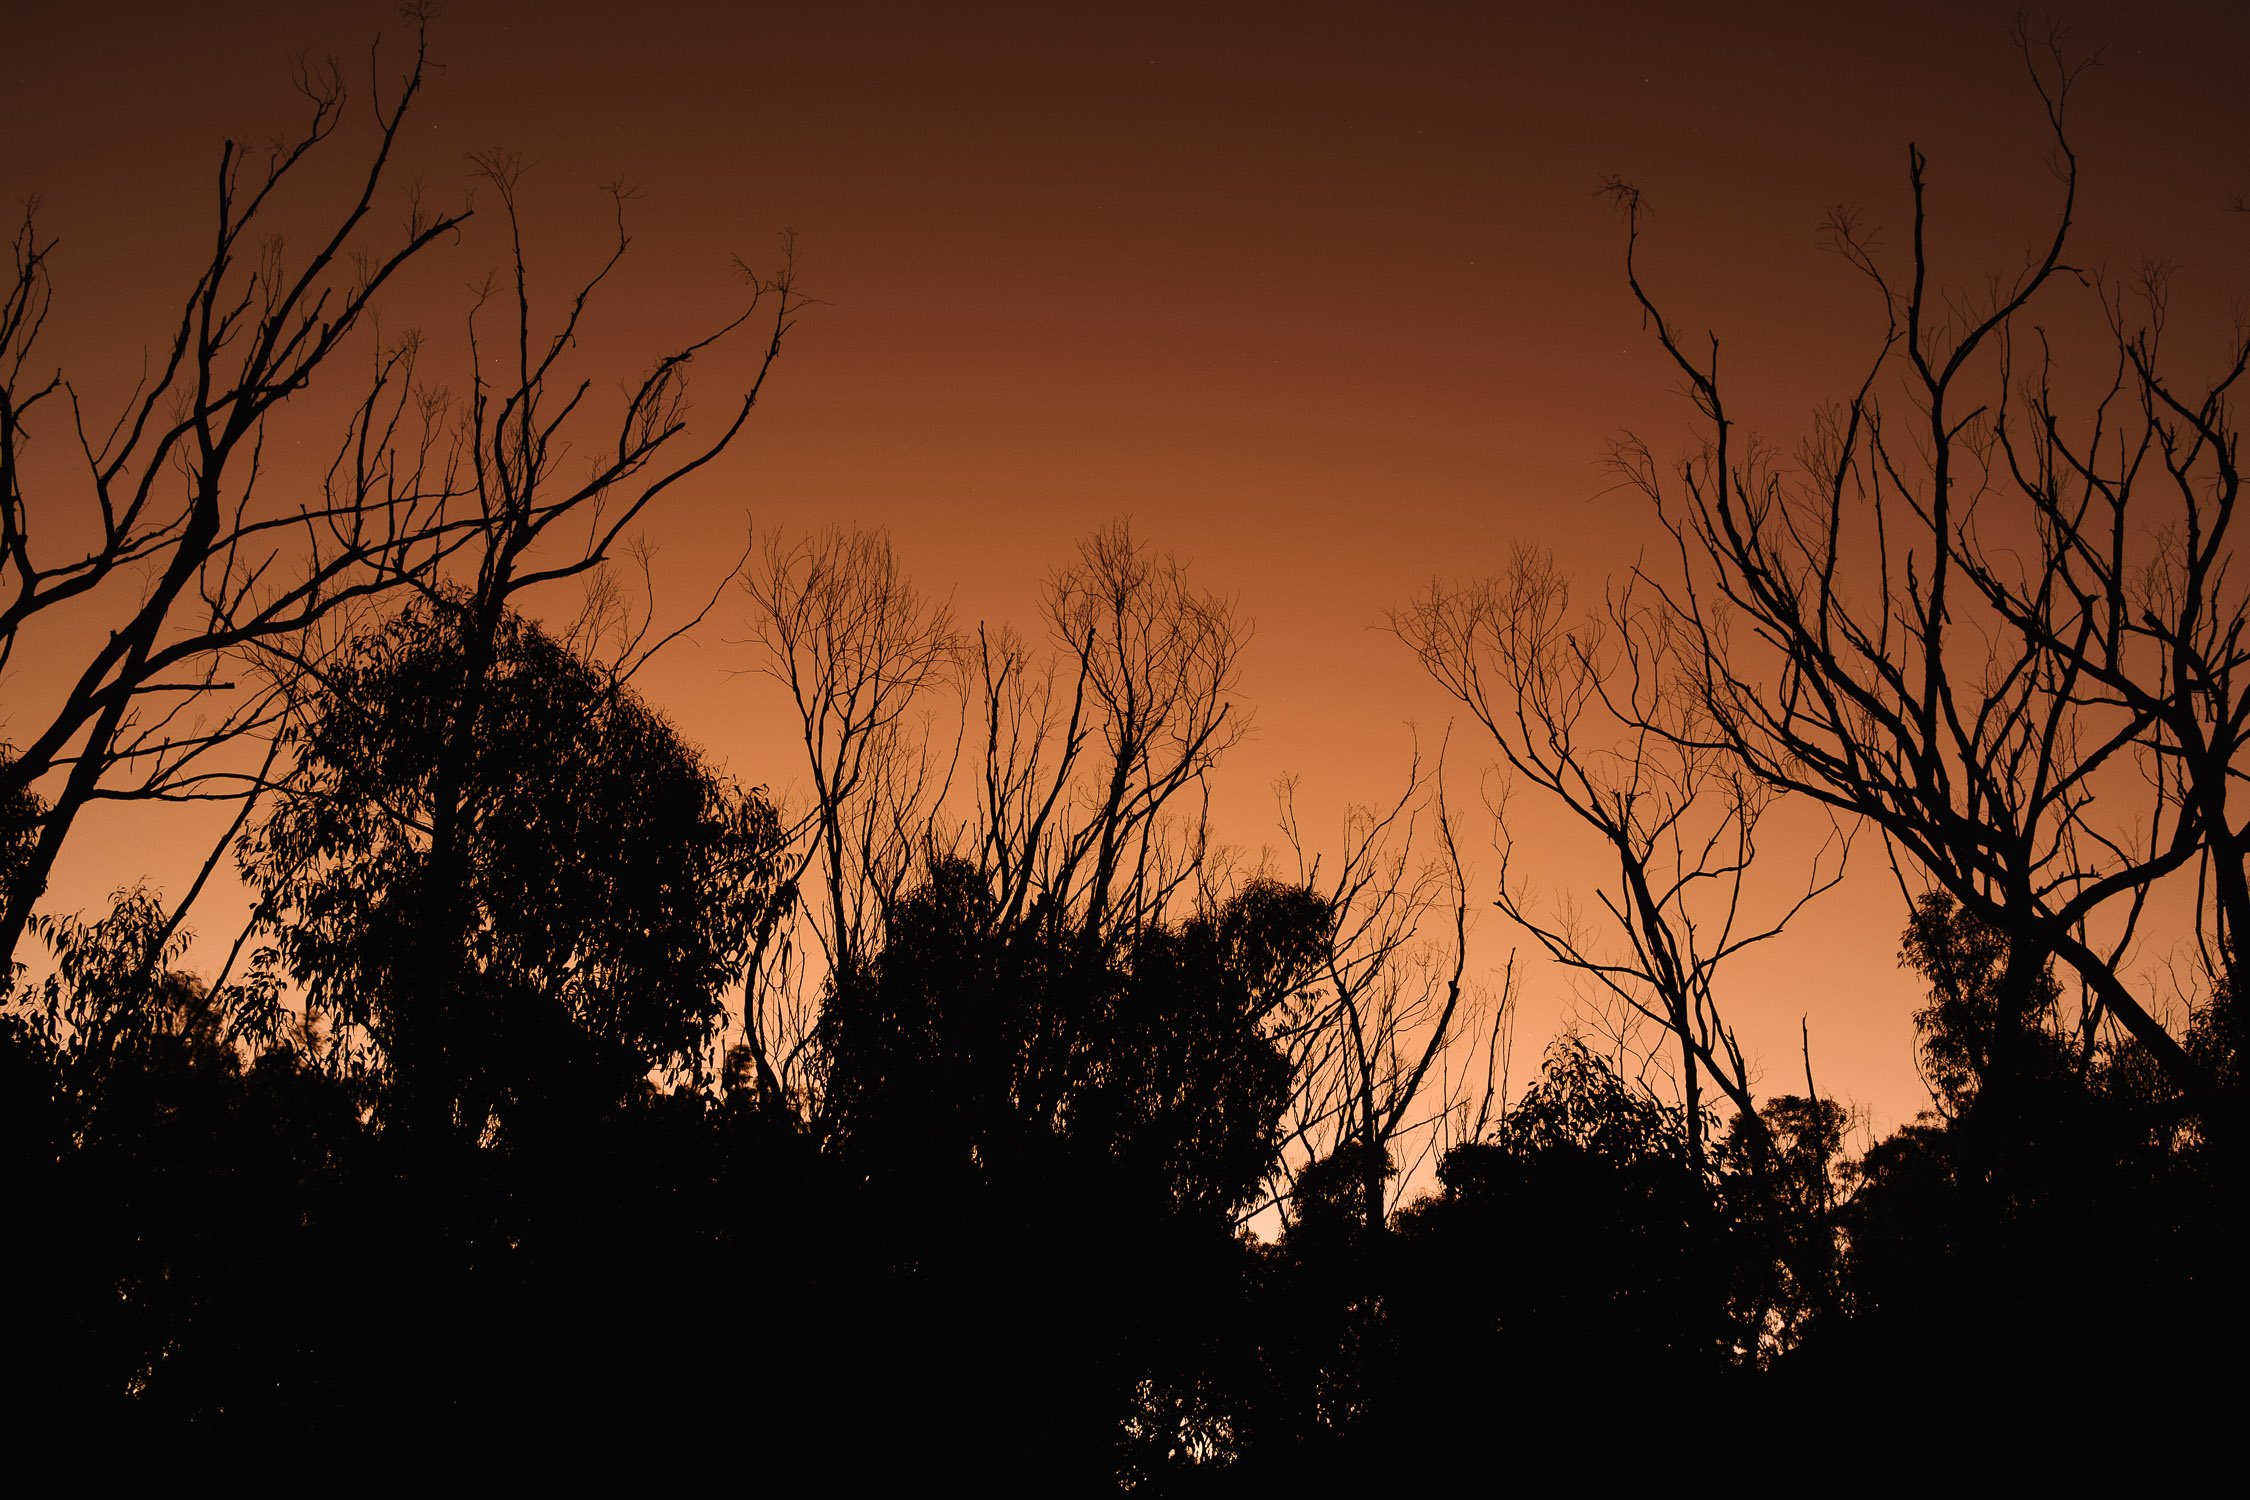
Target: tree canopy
610	882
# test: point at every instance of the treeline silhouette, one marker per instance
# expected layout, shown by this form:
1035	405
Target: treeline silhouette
569	1112
442	1182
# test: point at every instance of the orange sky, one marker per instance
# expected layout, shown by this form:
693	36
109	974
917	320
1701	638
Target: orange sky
1321	296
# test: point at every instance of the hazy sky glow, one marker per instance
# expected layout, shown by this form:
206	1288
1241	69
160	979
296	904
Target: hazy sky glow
1323	297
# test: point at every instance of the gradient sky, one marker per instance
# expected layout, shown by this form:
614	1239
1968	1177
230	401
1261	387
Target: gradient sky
1323	297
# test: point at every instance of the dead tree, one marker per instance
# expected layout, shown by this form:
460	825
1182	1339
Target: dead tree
2131	592
1092	793
1588	714
177	547
1373	1031
1067	778
860	651
1939	621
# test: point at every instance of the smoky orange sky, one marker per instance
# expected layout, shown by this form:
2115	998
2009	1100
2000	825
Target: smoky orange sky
1324	298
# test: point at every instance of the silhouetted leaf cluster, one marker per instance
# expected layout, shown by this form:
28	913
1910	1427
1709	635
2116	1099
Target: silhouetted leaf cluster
581	928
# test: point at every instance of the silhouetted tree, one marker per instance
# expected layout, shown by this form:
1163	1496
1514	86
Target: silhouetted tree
1938	620
2002	628
1369	1036
1001	1083
176	545
222	601
1983	1242
971	1045
507	890
610	882
1590	713
860	652
1078	790
1094	782
1569	1283
540	523
1782	1184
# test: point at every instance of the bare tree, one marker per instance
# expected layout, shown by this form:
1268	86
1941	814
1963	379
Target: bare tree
1090	756
859	650
1371	1030
176	541
2130	593
1939	619
1069	780
1589	714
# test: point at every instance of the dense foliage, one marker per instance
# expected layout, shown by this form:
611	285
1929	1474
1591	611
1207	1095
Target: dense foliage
505	871
1003	1244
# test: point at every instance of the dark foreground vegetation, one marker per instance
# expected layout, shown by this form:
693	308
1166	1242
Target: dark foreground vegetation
569	1112
1001	1249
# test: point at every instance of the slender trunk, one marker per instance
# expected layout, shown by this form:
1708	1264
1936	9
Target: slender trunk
431	1050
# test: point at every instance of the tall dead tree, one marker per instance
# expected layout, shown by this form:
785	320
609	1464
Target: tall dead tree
2133	593
1939	619
861	652
1587	713
1092	793
176	546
